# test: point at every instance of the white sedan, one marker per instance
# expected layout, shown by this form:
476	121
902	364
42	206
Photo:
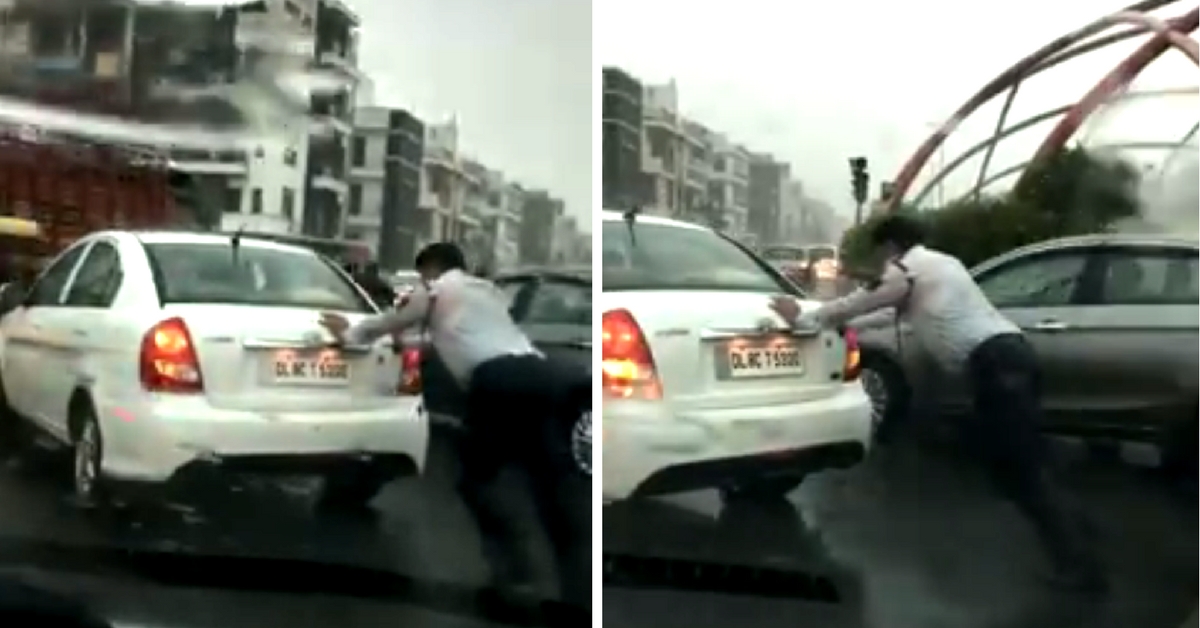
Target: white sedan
153	355
703	385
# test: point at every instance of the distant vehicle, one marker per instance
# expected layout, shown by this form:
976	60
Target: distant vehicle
554	307
824	261
69	188
704	386
792	261
1113	319
154	355
404	282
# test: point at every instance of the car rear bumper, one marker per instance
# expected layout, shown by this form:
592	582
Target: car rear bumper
162	440
649	450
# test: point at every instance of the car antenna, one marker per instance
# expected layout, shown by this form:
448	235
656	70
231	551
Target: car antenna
235	243
631	215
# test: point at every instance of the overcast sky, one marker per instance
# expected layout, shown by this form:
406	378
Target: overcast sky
816	83
518	73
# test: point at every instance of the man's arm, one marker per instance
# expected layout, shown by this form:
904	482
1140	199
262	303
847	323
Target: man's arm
892	289
411	312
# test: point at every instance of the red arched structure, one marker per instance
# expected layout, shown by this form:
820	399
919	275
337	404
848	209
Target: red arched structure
1166	34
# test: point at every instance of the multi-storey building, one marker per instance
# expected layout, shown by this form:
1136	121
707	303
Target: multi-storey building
768	178
539	224
385	182
443	186
624	184
728	184
331	118
501	221
663	150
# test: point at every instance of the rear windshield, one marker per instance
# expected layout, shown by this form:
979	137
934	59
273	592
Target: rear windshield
663	257
255	275
560	303
783	254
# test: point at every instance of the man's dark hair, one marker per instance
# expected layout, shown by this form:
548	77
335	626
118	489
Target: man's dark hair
442	255
903	231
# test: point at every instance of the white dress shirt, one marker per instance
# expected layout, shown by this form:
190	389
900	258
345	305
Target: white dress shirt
931	291
469	324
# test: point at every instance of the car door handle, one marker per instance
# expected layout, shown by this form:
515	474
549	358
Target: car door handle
1050	325
79	333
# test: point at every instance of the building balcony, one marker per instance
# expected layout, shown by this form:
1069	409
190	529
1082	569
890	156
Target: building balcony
442	158
367	221
432	201
367	172
229	163
326	124
327	180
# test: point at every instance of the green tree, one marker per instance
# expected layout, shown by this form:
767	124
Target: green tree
1071	193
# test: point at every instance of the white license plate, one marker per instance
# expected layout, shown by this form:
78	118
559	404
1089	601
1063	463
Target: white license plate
320	371
769	361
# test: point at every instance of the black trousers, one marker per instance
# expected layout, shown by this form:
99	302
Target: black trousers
515	407
1005	436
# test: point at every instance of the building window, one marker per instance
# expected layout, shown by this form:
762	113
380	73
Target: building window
358	156
289	157
355	200
256	201
288	204
233	201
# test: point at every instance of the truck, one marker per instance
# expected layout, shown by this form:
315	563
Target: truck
70	186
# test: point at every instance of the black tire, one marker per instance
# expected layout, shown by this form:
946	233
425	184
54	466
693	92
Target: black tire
88	485
581	443
351	488
892	410
11	427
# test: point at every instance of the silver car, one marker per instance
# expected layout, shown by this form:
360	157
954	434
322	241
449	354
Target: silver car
1113	318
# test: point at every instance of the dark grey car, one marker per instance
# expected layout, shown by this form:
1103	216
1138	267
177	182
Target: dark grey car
554	307
1114	321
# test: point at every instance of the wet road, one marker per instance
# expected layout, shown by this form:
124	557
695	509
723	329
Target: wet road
422	529
913	540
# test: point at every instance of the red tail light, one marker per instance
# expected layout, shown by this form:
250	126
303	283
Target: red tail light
626	364
410	371
853	365
168	360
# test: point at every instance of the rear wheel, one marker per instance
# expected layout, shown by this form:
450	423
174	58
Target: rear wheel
10	424
581	443
88	484
889	392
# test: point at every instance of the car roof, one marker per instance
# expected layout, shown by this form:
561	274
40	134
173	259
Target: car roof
194	237
577	274
610	215
1093	239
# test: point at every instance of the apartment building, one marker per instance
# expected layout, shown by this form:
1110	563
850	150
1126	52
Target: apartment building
386	155
728	184
502	221
443	186
624	184
540	215
331	117
663	150
767	182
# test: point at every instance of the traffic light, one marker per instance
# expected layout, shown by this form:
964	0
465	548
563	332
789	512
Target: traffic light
860	179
